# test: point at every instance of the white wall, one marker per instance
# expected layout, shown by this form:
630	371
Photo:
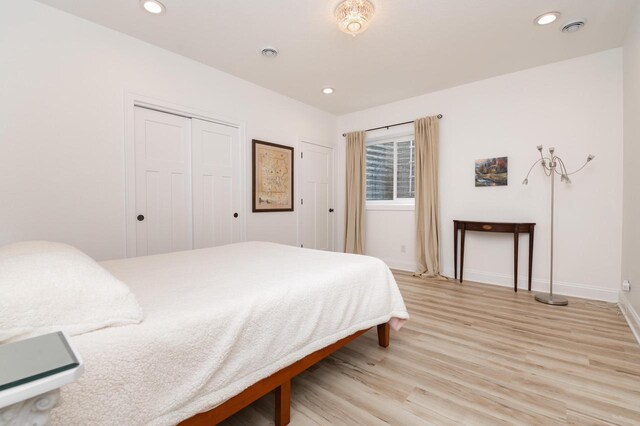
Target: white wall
62	88
63	82
631	226
576	106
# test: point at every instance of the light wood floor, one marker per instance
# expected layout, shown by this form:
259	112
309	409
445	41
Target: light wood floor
475	354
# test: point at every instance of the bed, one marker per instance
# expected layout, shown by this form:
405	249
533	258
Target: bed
223	326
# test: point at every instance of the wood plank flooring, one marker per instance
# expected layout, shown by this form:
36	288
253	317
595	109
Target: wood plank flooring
475	354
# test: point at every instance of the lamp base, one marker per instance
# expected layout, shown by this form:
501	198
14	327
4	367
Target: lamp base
552	299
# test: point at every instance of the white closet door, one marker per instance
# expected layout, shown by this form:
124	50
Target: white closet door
217	191
163	182
316	208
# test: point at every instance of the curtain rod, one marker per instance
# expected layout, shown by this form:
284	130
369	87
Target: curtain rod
391	125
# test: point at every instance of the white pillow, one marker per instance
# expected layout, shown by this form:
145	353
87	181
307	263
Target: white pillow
46	287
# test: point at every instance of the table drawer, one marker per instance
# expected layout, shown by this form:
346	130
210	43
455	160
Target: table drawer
489	227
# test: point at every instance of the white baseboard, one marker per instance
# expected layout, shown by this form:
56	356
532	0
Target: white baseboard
630	315
400	265
584	291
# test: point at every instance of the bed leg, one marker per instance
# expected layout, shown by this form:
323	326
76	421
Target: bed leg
283	403
383	335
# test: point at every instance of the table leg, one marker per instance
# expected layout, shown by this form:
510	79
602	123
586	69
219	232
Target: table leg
515	262
33	411
462	232
530	255
455	250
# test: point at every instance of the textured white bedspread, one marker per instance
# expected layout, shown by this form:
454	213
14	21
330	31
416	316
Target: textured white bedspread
216	321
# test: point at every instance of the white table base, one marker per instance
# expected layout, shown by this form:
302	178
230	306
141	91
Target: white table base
33	411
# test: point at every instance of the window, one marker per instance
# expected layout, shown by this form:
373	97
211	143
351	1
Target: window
390	171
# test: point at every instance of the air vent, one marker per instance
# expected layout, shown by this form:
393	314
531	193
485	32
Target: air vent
572	27
270	52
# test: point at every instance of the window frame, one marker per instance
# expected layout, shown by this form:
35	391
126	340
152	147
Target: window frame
396	203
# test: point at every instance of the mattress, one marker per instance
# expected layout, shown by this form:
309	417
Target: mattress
216	321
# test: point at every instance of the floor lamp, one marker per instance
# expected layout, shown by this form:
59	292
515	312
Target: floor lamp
553	165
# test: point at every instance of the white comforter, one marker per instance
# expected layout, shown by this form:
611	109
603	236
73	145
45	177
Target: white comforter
216	321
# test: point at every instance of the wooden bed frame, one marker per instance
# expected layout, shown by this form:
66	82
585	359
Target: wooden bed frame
280	382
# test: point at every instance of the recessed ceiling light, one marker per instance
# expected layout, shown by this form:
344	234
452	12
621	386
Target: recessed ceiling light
269	52
327	90
547	18
153	6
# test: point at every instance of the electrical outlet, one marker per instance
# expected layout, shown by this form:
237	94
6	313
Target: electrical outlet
403	248
626	285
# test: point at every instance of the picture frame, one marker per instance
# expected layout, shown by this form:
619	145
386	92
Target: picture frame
272	187
492	171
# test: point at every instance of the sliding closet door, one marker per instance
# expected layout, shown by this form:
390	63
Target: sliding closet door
217	191
163	182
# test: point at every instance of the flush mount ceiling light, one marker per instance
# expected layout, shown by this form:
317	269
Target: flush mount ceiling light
327	90
354	16
153	6
269	52
547	18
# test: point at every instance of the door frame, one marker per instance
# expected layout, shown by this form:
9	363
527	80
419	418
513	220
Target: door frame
298	184
132	100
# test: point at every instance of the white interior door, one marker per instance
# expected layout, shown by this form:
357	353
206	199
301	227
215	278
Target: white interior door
217	190
162	182
316	208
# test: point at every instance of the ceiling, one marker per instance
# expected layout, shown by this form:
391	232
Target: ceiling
412	46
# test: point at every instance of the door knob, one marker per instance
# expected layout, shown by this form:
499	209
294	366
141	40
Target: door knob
330	210
235	215
140	218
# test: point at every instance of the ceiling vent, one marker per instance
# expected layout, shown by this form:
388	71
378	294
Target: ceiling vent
270	52
572	27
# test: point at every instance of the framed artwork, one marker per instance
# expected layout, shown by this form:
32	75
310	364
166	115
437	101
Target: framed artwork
272	177
492	171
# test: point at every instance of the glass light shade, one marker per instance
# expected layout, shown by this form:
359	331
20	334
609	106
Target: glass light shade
354	16
354	27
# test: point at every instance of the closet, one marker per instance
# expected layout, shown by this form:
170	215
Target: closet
188	191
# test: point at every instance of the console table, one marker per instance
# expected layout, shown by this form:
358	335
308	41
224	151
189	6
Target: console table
505	227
